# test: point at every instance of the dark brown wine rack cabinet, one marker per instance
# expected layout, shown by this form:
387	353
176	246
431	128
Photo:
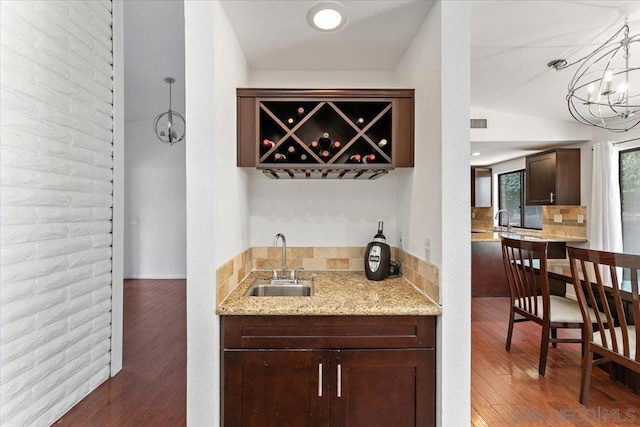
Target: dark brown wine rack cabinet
360	119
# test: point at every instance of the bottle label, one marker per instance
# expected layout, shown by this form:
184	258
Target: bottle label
374	258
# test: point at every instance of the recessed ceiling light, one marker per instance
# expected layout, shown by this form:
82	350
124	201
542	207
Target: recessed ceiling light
327	16
475	153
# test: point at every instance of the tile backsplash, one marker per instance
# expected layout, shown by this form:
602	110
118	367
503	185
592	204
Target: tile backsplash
421	274
229	274
311	258
569	221
482	217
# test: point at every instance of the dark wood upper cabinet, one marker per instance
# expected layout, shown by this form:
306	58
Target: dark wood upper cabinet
481	187
553	177
373	129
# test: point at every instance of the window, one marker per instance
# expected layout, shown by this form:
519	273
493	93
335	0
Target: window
511	197
630	198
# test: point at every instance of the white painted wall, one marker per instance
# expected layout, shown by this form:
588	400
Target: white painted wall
117	221
420	200
155	197
56	202
455	274
435	204
323	213
503	126
217	200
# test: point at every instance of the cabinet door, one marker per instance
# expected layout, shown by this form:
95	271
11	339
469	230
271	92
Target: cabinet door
275	388
383	388
541	179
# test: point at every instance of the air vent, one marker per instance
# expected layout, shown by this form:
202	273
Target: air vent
478	123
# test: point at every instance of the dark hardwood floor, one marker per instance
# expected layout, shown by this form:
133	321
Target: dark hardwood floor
151	388
506	389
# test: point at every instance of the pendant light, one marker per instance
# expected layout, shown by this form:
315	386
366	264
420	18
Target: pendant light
170	125
604	91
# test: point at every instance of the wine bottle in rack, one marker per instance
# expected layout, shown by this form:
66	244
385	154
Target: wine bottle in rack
383	143
324	141
300	111
278	157
360	121
336	146
290	121
325	154
354	158
294	154
315	147
369	159
267	144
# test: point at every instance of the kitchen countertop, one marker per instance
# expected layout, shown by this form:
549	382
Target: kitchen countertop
335	293
482	235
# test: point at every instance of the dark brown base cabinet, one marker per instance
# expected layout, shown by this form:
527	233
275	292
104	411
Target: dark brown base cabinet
328	371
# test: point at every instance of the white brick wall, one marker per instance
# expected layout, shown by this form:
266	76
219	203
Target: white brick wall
55	205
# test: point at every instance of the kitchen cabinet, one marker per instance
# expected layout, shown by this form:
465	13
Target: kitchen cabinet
328	370
481	187
553	177
329	133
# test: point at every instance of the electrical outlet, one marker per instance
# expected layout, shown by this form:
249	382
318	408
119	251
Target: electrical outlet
401	239
135	221
557	217
580	219
473	214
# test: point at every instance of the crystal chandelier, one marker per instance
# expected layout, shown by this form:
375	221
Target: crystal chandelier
170	125
603	92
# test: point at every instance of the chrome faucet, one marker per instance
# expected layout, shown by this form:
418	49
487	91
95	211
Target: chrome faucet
508	219
284	252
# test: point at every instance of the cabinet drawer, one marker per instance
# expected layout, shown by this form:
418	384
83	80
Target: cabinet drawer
328	331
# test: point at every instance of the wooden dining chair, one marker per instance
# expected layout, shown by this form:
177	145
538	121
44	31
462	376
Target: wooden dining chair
530	297
600	279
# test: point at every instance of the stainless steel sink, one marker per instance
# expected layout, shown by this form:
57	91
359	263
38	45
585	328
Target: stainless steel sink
280	288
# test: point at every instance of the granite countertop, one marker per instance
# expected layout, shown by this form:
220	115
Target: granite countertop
483	235
335	293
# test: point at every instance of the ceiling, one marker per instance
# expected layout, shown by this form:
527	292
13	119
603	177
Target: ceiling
153	50
511	43
274	34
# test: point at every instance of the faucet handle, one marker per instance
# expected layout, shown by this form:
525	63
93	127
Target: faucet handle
274	273
293	272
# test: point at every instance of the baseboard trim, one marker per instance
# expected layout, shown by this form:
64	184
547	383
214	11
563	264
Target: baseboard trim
156	276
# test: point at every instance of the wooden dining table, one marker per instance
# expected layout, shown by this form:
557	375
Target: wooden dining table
559	273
